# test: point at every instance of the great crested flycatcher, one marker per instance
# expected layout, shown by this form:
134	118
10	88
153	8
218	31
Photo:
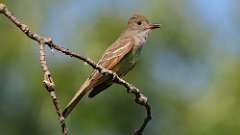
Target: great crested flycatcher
120	57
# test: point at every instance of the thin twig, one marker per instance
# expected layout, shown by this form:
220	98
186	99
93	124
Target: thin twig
48	80
50	86
139	97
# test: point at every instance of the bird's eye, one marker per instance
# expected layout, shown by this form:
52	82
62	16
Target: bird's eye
139	23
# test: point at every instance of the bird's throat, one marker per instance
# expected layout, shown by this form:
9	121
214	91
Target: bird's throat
141	38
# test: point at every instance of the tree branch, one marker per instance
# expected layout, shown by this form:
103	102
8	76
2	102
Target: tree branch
50	85
139	97
48	80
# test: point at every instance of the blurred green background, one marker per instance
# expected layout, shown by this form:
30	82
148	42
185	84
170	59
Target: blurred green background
189	68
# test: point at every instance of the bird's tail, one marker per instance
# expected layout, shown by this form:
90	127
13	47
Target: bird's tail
77	97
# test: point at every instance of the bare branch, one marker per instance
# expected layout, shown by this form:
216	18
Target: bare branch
50	86
139	97
48	80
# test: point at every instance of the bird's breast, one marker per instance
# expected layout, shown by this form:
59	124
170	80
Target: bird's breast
129	61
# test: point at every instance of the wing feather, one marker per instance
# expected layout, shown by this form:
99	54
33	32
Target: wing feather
111	57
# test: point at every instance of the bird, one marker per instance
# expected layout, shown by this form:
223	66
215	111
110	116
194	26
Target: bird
120	57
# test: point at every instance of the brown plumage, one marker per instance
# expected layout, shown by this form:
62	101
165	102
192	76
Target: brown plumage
120	57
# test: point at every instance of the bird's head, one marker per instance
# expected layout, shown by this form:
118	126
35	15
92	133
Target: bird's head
139	22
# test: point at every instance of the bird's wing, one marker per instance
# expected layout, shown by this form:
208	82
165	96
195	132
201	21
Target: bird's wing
99	88
111	57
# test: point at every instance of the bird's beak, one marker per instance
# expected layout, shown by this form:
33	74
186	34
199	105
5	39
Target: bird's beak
153	26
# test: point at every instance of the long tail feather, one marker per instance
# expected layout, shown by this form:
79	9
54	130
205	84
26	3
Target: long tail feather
77	97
